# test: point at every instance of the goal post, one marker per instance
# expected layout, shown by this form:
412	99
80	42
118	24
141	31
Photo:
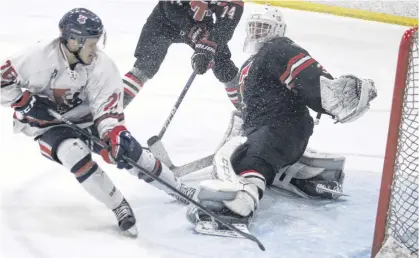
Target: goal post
396	224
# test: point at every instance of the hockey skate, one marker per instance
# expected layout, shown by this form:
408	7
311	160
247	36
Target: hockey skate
324	189
315	176
207	225
126	218
188	191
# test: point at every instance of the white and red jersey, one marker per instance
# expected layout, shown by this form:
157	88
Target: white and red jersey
85	95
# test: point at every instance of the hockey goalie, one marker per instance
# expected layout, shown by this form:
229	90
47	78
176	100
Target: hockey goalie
267	143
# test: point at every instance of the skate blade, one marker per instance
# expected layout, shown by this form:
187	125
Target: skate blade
131	232
211	228
335	194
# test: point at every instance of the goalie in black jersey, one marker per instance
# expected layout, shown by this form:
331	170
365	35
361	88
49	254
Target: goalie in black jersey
278	85
206	26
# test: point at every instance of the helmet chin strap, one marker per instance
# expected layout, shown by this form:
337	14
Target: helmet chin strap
75	53
73	74
77	56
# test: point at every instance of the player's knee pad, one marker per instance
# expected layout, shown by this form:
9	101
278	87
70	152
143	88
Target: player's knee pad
75	155
52	138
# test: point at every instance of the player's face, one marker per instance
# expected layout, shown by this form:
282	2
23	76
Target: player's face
86	48
88	51
257	30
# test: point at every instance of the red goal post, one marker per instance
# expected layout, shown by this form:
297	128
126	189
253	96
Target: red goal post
397	214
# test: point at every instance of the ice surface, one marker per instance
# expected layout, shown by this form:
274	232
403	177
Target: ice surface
45	213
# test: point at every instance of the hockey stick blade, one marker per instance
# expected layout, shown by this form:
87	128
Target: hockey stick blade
156	147
334	193
208	228
159	151
193	166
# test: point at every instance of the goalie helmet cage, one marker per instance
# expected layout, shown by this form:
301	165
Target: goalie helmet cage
396	227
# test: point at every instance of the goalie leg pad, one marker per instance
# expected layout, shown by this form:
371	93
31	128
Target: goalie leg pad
227	189
312	170
234	128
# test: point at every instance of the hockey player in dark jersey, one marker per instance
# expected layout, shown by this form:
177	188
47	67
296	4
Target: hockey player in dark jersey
206	26
278	85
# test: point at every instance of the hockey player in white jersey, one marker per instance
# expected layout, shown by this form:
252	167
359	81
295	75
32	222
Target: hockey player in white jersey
72	76
278	84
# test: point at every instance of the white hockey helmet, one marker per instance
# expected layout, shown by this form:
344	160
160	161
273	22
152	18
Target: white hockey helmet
263	25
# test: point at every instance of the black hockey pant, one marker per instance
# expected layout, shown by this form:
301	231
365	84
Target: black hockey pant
269	148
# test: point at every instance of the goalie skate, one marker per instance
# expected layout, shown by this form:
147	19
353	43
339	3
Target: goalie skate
315	176
206	225
320	188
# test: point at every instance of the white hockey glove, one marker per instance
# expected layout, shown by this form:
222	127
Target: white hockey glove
347	98
227	189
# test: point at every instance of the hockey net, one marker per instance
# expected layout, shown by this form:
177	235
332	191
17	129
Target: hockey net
396	228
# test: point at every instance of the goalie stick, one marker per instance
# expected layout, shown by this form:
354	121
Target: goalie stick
143	170
158	149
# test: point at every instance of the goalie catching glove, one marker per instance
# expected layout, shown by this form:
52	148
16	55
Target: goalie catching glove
346	98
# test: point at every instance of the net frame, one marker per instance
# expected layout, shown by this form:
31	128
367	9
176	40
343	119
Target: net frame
397	213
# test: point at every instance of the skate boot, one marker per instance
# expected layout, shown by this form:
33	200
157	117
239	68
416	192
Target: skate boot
126	218
188	191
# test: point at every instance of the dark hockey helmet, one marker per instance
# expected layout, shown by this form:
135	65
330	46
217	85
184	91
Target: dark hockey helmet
79	24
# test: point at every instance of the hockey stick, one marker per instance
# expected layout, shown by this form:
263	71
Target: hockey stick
177	104
143	170
193	166
154	143
159	151
203	162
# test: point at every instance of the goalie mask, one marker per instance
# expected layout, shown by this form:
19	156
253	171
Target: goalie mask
263	26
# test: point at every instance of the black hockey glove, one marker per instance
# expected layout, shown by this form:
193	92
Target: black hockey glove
197	32
122	143
203	56
35	107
